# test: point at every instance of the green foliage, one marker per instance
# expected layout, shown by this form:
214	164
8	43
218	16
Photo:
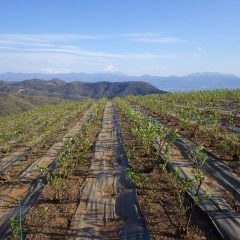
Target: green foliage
36	127
136	177
75	146
45	210
14	228
200	113
14	103
130	153
162	139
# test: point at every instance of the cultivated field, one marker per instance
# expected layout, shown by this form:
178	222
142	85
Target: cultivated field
163	166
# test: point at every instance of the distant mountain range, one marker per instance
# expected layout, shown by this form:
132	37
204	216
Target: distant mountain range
196	81
76	89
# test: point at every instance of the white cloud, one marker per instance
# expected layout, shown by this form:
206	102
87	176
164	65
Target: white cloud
55	53
49	62
158	40
152	38
43	38
48	39
65	43
75	50
109	69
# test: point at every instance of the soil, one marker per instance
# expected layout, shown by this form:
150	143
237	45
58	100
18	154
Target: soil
157	199
14	171
27	185
50	218
18	145
98	202
200	137
108	199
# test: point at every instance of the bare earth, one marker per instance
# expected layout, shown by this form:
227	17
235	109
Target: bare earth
108	208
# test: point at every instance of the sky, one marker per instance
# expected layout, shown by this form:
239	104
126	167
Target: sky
135	37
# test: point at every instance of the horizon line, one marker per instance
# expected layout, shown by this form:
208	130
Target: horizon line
120	73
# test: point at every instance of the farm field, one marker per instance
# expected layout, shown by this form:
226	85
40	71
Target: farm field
161	166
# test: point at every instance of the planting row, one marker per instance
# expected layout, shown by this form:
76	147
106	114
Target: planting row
184	171
190	122
34	128
54	168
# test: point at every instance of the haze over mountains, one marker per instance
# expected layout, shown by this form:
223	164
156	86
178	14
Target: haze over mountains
196	81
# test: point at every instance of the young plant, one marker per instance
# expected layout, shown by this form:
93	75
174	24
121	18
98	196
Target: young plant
129	150
136	177
232	119
199	158
43	169
181	186
54	181
57	183
231	144
198	117
14	228
191	185
214	119
166	139
45	210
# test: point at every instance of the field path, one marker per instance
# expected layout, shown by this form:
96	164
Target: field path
108	207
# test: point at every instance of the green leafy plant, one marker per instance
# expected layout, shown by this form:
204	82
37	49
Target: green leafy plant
136	177
199	158
45	210
14	228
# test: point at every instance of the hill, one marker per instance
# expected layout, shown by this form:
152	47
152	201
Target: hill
76	89
13	103
196	81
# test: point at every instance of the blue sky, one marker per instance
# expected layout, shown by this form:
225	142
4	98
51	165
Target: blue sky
158	37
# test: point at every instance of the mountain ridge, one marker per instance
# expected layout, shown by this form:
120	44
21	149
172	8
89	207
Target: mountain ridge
194	81
77	89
